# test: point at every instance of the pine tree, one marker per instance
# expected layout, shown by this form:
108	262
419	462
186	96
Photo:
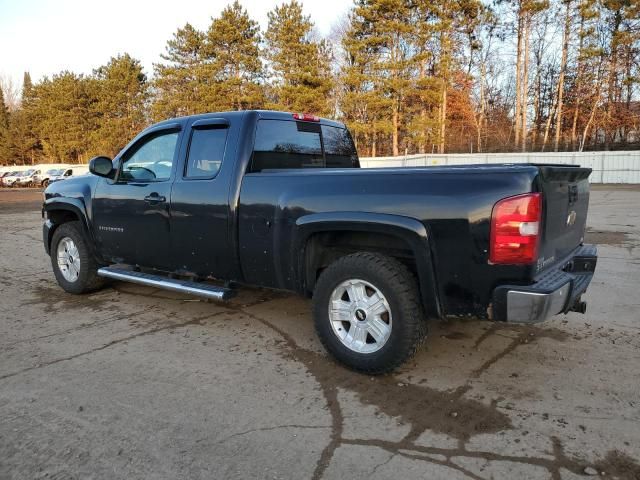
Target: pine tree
391	31
65	116
180	83
363	103
232	47
5	143
299	69
27	84
120	109
584	91
25	143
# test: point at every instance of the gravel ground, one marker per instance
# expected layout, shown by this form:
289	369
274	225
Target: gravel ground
133	382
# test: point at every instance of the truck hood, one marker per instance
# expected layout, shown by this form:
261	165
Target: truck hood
71	187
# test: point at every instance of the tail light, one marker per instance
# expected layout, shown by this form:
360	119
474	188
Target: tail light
307	117
515	229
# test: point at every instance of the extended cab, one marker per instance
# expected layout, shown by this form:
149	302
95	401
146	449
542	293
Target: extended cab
278	200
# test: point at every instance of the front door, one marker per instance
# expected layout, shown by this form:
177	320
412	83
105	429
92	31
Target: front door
131	213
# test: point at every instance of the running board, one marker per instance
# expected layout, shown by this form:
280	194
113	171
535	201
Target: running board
183	286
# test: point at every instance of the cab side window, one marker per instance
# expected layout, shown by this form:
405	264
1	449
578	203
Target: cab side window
206	151
152	160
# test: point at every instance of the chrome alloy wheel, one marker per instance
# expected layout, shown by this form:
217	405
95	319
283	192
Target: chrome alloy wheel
360	316
68	259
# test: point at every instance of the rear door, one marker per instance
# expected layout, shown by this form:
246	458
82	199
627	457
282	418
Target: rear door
566	201
200	240
282	145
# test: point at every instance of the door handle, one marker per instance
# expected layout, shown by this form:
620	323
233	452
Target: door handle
154	198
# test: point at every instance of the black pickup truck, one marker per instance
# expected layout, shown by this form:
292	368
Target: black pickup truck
278	200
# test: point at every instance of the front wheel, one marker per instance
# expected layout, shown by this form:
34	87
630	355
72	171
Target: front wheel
74	266
367	312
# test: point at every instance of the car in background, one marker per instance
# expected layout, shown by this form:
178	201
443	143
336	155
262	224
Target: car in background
45	178
14	173
10	179
65	173
28	178
3	175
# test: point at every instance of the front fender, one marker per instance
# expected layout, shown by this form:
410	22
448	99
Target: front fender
73	205
413	232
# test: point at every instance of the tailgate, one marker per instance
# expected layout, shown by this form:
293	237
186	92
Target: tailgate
565	191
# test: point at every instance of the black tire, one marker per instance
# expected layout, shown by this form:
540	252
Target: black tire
399	287
88	279
45	183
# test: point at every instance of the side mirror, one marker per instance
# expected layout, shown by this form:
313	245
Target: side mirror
102	166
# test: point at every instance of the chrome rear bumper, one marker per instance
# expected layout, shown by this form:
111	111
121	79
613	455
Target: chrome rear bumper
555	291
531	307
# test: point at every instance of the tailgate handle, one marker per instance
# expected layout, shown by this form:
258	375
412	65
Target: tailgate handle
573	194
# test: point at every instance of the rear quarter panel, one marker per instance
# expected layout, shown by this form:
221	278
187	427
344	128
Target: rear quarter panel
453	203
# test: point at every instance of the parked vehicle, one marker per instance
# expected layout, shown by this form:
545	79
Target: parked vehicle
278	200
30	178
63	174
4	171
3	175
42	179
10	178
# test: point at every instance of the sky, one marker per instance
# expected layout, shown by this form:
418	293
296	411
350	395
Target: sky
46	37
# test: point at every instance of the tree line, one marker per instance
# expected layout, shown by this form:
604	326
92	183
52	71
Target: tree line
406	76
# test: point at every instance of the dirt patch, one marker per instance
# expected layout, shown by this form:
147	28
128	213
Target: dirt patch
455	336
526	333
426	409
604	237
20	200
421	407
619	465
54	299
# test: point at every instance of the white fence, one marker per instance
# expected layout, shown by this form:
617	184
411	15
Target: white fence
608	167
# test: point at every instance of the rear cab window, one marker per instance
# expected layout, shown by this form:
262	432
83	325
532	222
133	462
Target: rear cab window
289	144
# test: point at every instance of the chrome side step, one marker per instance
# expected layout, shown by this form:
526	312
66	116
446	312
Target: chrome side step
184	286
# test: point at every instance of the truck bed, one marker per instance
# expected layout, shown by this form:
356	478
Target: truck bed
454	203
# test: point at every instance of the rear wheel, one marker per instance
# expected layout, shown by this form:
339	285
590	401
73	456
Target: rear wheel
74	266
367	312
